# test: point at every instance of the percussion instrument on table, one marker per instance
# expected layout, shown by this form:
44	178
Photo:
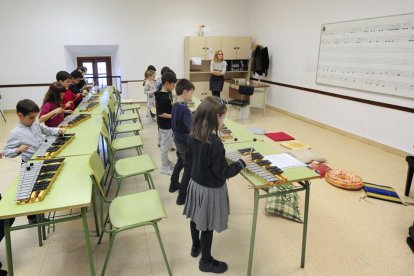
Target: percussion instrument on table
89	107
36	178
260	166
52	146
74	120
92	99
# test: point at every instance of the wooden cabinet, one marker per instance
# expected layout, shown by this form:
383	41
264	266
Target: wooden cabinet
203	47
236	47
202	89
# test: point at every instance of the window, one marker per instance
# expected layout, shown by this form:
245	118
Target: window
99	70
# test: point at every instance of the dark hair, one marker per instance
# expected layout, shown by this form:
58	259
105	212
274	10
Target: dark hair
62	76
76	74
168	77
165	69
151	67
182	85
53	94
26	107
82	68
205	118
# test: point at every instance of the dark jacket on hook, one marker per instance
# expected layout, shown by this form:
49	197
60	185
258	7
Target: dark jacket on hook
260	63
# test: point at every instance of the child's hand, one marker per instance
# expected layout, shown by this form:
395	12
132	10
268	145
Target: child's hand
62	130
68	104
84	93
68	111
58	110
22	148
246	158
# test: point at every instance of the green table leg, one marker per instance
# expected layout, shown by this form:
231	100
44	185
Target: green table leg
253	235
39	231
88	241
8	247
95	216
305	223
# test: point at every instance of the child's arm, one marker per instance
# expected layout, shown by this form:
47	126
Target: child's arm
165	115
54	131
14	146
43	118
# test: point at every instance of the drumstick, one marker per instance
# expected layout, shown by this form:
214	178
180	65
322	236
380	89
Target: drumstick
251	148
66	106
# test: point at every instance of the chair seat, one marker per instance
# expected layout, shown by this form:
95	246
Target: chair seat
127	142
239	102
130	106
134	165
123	128
127	117
136	208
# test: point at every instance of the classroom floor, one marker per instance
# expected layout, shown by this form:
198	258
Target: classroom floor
346	235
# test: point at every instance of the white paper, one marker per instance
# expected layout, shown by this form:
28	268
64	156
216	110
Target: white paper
196	60
284	161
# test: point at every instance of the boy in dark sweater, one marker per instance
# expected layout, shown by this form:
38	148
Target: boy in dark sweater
181	122
163	104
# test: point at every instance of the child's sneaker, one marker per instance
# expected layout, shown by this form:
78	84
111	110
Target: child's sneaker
174	187
167	171
212	266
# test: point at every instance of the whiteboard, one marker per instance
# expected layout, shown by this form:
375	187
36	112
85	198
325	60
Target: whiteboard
374	54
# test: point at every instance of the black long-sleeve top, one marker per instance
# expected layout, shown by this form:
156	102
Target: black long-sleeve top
209	167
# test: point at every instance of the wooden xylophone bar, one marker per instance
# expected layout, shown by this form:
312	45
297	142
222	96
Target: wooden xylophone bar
52	146
36	179
89	107
74	120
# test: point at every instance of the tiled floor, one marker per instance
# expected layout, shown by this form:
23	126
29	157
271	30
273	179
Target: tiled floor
346	235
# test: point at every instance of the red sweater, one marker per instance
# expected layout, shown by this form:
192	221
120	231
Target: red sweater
70	97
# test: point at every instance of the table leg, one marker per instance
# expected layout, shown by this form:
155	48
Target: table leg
305	223
88	241
8	246
95	216
39	231
253	234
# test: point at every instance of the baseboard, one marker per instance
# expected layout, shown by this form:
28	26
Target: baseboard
342	132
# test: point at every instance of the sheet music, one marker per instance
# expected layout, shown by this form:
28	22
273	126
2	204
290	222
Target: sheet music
375	54
284	161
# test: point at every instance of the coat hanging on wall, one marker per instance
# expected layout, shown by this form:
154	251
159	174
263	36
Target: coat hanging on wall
260	63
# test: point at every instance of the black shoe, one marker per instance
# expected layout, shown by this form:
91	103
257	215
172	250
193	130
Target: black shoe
195	251
181	199
3	272
174	187
212	266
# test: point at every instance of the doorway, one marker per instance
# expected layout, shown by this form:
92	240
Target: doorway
99	70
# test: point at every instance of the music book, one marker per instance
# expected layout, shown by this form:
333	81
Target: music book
284	161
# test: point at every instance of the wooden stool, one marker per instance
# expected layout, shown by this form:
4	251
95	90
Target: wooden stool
410	161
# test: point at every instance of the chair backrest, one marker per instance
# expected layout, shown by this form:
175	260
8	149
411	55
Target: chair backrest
105	118
105	135
98	172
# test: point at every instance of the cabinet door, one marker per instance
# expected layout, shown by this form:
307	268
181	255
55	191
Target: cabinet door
201	90
213	43
244	44
228	45
197	46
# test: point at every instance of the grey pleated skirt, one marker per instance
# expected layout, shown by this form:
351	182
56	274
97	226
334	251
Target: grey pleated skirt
207	207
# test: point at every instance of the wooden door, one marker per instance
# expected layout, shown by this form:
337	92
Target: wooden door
228	45
213	43
197	46
244	44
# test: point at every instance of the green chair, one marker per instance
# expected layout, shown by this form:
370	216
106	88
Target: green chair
119	118
127	212
127	167
124	143
122	128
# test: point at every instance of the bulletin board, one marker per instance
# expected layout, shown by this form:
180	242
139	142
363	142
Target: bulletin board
374	54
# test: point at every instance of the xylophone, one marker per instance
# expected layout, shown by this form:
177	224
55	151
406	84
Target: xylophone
52	145
92	98
260	166
36	178
74	120
89	107
225	133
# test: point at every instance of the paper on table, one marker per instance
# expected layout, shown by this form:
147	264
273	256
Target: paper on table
284	161
196	60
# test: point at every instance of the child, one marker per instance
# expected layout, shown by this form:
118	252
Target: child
66	80
163	103
207	202
27	136
164	70
51	112
181	121
150	89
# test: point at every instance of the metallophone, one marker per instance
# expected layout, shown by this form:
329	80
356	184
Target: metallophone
36	178
87	107
225	133
92	99
260	166
52	146
74	120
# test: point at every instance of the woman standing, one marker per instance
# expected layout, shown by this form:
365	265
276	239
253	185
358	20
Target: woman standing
217	69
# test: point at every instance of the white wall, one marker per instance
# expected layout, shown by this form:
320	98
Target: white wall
291	31
33	35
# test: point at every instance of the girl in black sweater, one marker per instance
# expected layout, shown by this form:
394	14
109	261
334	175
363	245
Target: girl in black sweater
207	202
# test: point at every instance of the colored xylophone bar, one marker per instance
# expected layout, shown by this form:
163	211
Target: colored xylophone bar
260	166
89	107
36	179
52	146
74	120
92	98
225	133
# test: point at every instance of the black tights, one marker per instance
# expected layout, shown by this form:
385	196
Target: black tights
216	93
205	240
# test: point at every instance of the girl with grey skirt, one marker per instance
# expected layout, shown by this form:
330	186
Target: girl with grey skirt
207	202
